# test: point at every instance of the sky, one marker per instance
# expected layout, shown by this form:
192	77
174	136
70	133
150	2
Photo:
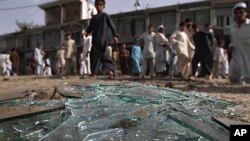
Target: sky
9	15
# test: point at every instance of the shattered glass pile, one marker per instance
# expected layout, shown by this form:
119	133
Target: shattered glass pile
122	112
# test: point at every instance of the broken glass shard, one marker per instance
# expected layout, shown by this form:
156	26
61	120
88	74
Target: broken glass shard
111	134
102	123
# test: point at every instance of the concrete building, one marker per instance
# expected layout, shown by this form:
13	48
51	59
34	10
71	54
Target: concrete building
60	17
218	13
64	11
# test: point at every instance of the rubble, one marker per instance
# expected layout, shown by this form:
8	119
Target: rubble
120	111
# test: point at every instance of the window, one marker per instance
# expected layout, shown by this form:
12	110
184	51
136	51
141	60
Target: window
220	21
228	21
223	21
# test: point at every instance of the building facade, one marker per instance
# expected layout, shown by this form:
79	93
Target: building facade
73	16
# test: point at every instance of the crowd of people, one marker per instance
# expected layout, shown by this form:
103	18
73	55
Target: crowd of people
9	63
188	53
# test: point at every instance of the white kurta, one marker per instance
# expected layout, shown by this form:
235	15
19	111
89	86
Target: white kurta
161	52
38	56
240	62
87	45
39	61
85	56
225	64
47	70
70	48
148	53
148	50
60	58
182	44
191	48
8	62
2	64
218	54
60	63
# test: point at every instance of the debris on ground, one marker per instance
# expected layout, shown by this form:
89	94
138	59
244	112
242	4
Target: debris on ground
169	85
120	111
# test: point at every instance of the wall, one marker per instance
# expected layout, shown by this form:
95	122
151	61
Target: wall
52	39
10	43
2	45
53	16
72	11
129	27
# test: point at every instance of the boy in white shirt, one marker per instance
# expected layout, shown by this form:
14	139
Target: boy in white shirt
85	56
47	70
218	59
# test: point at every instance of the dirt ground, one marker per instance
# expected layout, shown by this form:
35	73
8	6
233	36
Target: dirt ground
220	88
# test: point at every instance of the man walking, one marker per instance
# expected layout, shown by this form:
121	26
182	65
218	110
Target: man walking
239	70
204	52
182	43
161	45
148	52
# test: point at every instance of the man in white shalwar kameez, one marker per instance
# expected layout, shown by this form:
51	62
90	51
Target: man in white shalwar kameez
39	59
148	52
60	61
191	50
85	56
5	65
182	43
239	71
161	43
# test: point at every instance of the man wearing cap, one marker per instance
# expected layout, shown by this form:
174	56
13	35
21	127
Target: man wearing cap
239	71
161	44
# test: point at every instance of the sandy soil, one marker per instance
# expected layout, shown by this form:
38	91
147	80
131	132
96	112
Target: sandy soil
220	88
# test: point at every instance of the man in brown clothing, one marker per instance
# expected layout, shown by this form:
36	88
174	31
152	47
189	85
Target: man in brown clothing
14	58
123	57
